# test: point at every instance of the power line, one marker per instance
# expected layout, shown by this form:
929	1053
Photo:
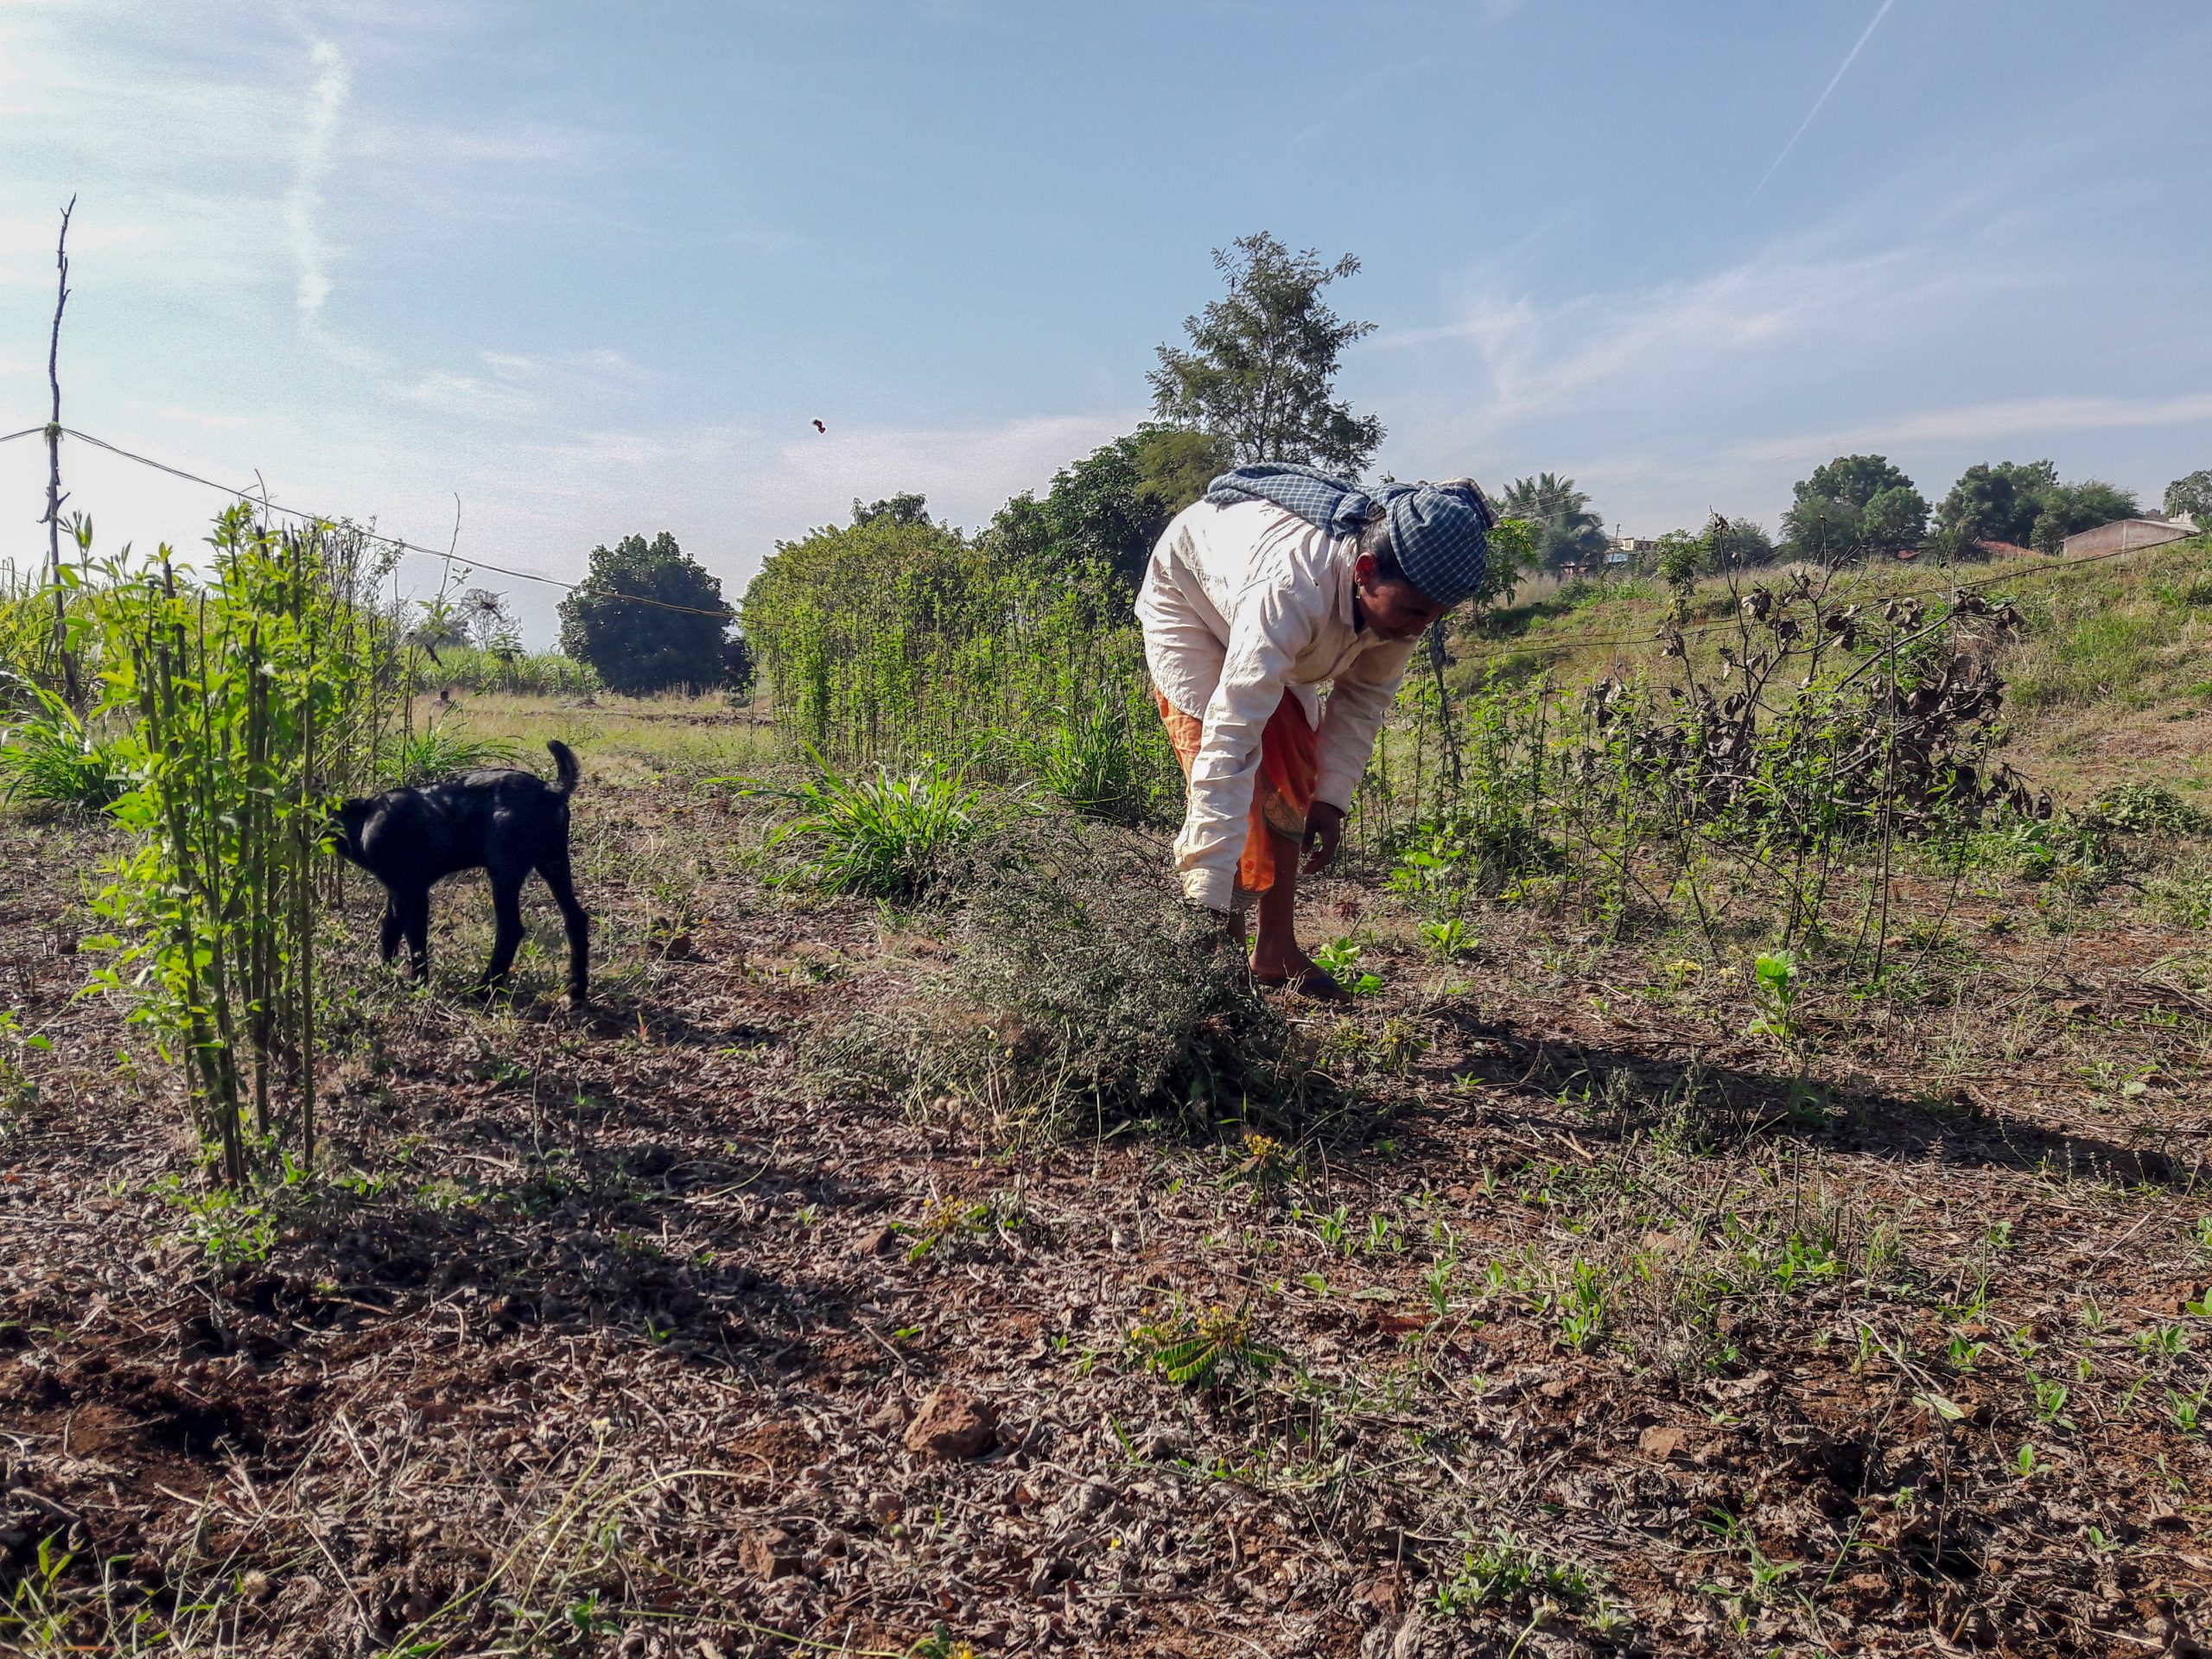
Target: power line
1558	647
724	614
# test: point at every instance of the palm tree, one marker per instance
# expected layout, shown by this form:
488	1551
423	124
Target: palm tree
1568	532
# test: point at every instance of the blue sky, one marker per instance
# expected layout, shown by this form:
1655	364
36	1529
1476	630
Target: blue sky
595	270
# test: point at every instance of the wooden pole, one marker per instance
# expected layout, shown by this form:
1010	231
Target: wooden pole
53	496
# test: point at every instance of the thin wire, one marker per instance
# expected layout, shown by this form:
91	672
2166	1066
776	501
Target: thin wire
725	614
1556	647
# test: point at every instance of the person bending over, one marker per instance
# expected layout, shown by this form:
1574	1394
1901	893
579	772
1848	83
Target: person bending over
1279	580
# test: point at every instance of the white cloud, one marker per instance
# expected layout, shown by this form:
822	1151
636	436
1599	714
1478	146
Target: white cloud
310	167
763	488
1656	348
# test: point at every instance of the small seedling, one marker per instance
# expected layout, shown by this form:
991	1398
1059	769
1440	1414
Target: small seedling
1199	1351
1507	1569
1775	976
1451	938
948	1218
2186	1410
2050	1401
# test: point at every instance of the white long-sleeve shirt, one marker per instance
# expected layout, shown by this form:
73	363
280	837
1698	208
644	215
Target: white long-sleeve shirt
1238	604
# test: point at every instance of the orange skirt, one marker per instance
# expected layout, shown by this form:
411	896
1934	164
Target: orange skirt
1282	795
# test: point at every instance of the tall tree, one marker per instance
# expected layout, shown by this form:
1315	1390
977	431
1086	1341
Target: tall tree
1997	503
1897	519
1097	510
1855	479
647	616
1262	366
1827	519
485	621
1176	463
906	508
1822	527
1565	530
2191	495
1741	542
2065	509
1109	507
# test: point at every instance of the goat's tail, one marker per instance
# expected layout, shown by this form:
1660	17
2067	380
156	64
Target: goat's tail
564	762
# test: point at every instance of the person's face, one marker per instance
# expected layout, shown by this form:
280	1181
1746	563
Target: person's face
1394	610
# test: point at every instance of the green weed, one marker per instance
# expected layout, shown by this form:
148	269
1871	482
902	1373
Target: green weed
47	756
1506	1569
884	836
438	751
1204	1349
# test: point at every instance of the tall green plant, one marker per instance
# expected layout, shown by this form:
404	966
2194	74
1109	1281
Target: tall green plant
254	692
895	638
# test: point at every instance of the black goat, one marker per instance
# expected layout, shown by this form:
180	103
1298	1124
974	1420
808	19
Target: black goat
507	822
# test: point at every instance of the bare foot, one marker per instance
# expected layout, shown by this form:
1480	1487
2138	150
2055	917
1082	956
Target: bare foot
1301	974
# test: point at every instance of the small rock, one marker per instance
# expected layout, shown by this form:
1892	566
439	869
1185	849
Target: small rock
1661	1442
951	1423
873	1240
890	1419
768	1554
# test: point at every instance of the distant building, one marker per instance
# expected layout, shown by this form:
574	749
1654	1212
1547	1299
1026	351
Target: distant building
2003	550
2126	536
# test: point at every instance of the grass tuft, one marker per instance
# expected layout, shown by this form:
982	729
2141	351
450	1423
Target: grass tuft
885	835
438	751
47	756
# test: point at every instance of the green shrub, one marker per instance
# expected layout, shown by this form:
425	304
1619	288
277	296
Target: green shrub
437	751
894	637
885	835
538	674
1091	760
1507	1570
47	755
2149	809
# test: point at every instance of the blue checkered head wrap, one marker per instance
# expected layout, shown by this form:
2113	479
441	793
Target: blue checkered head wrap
1440	531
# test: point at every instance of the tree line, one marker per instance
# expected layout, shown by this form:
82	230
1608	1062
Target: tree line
1255	380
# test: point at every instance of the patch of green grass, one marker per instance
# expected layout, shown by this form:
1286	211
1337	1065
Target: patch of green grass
884	836
47	756
1507	1570
441	751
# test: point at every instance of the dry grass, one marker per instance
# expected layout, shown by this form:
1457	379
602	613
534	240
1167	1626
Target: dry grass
1608	1327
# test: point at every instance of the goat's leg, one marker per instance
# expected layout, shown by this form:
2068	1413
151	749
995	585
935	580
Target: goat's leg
507	912
415	921
388	939
574	921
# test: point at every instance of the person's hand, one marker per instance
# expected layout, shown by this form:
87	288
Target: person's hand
1325	830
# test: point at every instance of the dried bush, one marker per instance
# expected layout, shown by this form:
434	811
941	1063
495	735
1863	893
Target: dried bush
1082	994
1893	718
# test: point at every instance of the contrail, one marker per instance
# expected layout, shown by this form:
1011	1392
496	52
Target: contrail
1822	99
311	165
